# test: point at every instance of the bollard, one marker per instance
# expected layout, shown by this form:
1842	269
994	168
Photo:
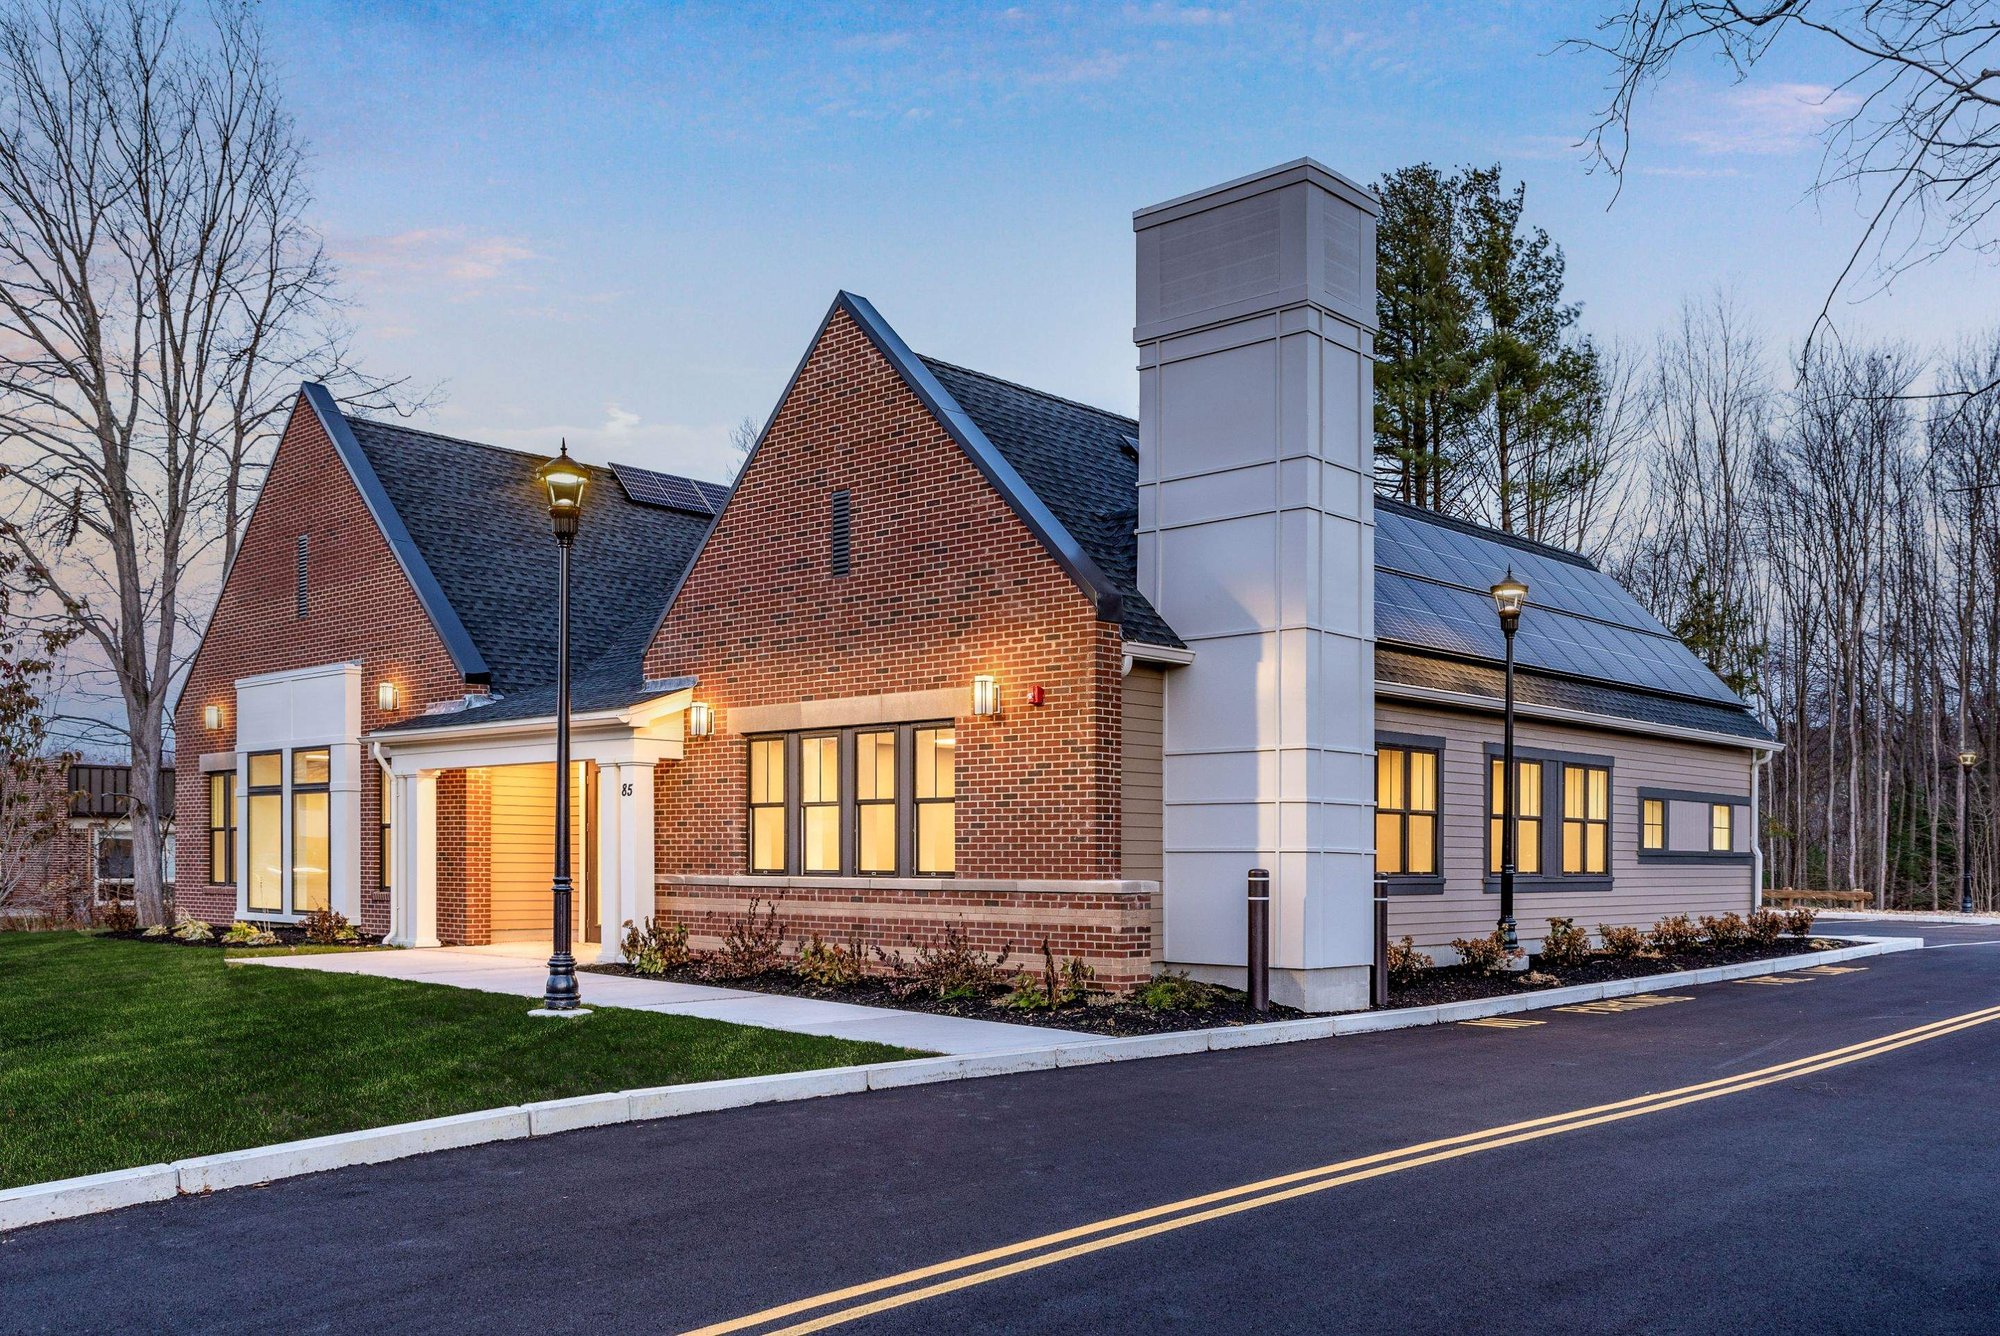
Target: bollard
1259	955
1381	979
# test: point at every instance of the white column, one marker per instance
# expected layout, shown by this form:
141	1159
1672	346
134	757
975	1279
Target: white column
413	906
344	830
625	850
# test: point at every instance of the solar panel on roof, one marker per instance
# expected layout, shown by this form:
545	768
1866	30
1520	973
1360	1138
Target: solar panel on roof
647	488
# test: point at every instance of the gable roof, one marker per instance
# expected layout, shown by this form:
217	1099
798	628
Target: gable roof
470	524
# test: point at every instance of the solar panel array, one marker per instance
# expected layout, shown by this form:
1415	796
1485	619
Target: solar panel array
1432	588
668	491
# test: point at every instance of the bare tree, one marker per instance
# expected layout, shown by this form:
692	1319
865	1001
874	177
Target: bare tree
156	273
1916	131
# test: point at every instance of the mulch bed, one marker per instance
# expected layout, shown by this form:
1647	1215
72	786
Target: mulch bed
287	935
1124	1017
1455	983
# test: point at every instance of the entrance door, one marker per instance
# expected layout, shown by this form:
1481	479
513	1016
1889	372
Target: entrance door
523	845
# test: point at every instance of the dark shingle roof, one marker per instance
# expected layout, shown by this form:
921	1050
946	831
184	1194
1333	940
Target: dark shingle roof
1399	666
1083	464
481	521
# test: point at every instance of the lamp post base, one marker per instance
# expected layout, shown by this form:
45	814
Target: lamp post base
567	1013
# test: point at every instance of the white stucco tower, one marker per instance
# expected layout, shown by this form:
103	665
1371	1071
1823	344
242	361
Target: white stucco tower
1256	318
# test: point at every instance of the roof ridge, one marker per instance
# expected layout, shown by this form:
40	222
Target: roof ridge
1478	530
1029	389
525	454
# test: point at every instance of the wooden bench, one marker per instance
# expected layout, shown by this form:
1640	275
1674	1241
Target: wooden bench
1789	897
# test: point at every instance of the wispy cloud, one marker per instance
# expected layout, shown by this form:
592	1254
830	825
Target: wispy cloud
1163	13
460	259
1762	120
691	449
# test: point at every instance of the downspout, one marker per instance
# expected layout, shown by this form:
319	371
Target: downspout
1757	830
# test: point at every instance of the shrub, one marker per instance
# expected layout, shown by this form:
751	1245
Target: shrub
1765	927
950	967
1406	963
1179	991
326	927
1724	930
656	948
1566	945
753	945
157	930
1058	985
827	964
1621	940
1486	955
117	918
1799	921
1675	934
240	933
192	930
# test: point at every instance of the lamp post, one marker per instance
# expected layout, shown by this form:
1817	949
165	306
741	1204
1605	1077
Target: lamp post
565	480
1966	760
1509	597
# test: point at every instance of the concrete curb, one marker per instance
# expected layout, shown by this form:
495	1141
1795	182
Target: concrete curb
1910	916
39	1203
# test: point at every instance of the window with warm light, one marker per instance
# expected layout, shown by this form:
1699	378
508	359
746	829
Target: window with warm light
312	843
1721	828
265	832
1406	812
1653	824
222	829
873	801
1586	820
1527	816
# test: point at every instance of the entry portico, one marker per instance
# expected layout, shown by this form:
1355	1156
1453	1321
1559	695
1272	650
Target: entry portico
614	752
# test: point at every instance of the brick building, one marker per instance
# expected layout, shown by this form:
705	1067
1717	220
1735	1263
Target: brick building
957	653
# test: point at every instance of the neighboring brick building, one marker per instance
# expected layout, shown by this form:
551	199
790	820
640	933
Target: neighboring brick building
956	655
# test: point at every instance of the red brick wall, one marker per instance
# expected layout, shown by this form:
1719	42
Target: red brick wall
361	609
947	583
465	857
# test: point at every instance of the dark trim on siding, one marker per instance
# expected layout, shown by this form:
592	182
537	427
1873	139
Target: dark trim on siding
457	640
1695	856
1552	763
1542	885
1401	885
1690	796
1421	741
1495	750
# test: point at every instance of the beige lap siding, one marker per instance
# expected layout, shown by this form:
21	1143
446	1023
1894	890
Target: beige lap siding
1641	893
1144	785
1108	926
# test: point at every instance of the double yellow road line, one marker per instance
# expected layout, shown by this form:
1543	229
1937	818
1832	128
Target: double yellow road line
836	1307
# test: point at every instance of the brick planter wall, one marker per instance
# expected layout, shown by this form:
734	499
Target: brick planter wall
1106	925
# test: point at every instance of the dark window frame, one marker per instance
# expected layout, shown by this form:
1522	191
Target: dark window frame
223	874
252	791
1728	812
1415	883
1584	821
294	790
1550	843
844	831
850	803
1646	825
1701	854
783	805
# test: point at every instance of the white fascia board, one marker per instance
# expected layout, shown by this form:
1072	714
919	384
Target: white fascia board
1554	713
300	674
1163	654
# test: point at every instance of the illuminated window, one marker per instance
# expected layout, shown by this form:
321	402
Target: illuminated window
312	841
875	801
1653	824
1586	820
1721	827
819	797
767	805
1406	812
936	794
1527	816
221	828
265	820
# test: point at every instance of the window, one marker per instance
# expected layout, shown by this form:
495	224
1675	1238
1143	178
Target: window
819	797
265	817
767	804
311	834
114	862
936	794
1653	823
1721	828
301	590
1527	816
221	828
840	547
1406	812
1586	820
875	802
860	802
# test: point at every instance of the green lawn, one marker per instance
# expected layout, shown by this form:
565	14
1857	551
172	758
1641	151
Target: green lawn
119	1053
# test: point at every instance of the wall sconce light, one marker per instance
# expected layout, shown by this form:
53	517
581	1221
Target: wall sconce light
985	696
211	717
701	720
386	696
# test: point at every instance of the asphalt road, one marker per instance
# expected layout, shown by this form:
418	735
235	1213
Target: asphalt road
1854	1193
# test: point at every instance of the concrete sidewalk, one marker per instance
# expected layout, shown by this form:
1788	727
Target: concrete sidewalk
518	969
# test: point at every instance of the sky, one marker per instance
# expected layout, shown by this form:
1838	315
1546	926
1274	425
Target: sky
622	223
